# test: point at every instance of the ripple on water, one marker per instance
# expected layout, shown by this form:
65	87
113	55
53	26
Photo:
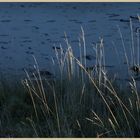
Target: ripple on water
27	20
6	20
3	48
51	21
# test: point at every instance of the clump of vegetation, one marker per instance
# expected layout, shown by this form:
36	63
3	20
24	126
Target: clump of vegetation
80	102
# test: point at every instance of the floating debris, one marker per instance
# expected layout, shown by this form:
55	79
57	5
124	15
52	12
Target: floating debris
88	57
135	69
35	27
124	20
56	48
28	52
46	34
90	68
29	48
135	18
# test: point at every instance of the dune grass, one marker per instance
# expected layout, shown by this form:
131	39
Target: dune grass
80	102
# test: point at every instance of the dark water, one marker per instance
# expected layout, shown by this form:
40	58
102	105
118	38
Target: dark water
28	29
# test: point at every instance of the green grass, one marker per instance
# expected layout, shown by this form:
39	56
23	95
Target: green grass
76	104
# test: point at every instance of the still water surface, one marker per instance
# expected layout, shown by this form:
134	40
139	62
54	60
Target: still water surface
28	29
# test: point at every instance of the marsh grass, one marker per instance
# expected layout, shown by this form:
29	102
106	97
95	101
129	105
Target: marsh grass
79	102
83	102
